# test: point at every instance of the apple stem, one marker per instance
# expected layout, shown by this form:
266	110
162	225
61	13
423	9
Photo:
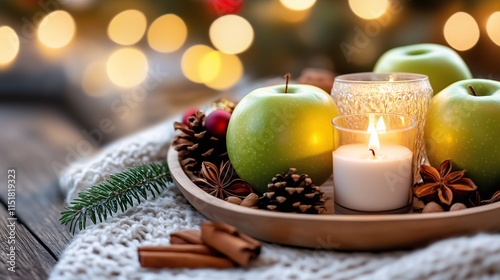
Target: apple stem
287	77
472	90
373	152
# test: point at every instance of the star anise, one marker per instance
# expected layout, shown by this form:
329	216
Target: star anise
442	184
494	198
222	182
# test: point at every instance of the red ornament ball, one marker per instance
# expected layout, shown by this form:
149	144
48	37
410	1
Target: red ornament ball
187	114
216	123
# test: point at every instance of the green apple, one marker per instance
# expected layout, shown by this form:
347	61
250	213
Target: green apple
271	131
465	128
441	64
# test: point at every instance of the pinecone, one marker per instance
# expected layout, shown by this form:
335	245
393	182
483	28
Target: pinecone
293	193
196	145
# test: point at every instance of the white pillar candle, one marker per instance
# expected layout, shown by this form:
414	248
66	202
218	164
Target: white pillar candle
367	182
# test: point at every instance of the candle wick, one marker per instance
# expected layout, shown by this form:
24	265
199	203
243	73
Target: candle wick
373	152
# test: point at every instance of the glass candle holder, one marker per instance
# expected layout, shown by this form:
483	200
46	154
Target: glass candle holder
399	93
373	163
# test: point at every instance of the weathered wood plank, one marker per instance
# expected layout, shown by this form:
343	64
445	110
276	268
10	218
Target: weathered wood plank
33	140
28	258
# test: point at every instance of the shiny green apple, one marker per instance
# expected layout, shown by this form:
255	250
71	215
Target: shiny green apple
466	129
441	64
271	131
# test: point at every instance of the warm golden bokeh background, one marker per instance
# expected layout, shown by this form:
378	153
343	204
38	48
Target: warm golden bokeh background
138	62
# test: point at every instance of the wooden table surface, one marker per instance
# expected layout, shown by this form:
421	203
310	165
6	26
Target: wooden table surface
37	139
32	139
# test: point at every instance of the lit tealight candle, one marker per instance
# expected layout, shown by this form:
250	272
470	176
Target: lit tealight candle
398	93
374	176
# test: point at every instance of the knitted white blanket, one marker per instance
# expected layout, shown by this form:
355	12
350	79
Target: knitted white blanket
109	250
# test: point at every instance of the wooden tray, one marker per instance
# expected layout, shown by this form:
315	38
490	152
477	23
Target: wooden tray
338	232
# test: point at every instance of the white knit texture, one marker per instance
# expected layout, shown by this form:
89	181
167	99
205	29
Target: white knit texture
109	250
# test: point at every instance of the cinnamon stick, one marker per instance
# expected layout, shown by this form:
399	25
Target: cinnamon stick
180	248
218	245
226	239
186	236
152	259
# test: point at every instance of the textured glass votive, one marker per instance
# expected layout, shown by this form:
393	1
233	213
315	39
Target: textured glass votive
400	93
373	163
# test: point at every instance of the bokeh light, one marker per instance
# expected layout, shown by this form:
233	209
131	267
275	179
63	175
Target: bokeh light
127	67
224	7
167	33
94	79
215	69
281	13
9	45
190	62
493	27
298	5
209	66
127	27
57	29
369	9
229	72
461	31
231	34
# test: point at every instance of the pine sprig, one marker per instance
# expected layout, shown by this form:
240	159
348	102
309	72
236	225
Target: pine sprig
119	191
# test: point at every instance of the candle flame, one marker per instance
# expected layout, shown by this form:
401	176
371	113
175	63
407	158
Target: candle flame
374	142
